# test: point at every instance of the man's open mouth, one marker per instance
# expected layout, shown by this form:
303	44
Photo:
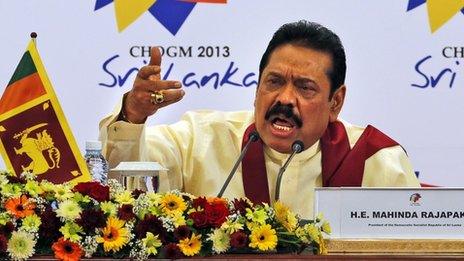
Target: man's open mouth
282	118
282	123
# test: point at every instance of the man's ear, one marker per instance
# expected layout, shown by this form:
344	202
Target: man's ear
336	103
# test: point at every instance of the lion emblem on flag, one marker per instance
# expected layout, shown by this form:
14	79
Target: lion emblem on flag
34	148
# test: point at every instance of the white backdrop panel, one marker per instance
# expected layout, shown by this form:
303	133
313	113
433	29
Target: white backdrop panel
383	43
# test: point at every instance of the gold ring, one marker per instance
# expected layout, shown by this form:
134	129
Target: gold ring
157	97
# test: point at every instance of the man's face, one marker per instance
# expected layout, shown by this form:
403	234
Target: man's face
292	99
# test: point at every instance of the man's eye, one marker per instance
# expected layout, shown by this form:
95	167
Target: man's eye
307	88
274	81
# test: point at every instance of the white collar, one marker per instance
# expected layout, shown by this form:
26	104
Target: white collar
302	156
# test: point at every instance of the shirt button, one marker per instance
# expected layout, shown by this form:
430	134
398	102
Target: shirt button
115	128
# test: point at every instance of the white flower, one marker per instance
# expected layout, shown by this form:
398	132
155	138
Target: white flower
221	241
89	245
141	205
21	245
68	210
168	223
115	187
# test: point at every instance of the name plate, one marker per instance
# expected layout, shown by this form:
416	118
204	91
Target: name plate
407	213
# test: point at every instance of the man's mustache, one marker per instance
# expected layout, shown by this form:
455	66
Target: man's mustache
286	110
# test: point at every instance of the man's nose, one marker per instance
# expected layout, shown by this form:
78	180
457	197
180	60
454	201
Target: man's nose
287	95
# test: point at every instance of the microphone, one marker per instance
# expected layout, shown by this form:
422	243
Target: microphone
297	147
252	137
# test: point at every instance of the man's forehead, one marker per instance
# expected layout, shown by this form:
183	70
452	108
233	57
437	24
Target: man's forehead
284	68
299	59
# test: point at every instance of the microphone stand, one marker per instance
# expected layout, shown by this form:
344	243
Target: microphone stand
297	147
252	137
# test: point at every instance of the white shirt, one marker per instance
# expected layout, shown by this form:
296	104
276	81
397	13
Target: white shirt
201	149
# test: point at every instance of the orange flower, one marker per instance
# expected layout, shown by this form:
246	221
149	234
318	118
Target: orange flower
217	201
67	250
20	207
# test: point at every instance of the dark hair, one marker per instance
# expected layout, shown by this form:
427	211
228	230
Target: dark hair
315	36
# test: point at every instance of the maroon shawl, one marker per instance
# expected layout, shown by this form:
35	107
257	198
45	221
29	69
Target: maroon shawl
341	165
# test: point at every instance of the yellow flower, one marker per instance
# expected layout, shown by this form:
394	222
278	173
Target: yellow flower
47	186
78	197
172	203
322	246
3	178
154	198
63	192
4	217
69	210
292	222
31	223
109	208
33	188
257	216
178	219
264	238
286	217
313	232
301	234
326	227
11	190
231	226
280	210
252	225
190	246
151	243
71	231
154	210
125	198
114	235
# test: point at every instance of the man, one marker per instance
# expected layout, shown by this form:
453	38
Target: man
299	96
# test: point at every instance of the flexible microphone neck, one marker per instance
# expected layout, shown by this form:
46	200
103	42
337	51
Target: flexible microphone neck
297	147
252	137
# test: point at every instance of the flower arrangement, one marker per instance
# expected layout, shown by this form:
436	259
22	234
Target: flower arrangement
90	220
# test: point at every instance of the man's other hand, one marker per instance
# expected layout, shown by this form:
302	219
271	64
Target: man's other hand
149	92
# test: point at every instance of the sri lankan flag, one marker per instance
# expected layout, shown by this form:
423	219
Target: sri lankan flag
34	134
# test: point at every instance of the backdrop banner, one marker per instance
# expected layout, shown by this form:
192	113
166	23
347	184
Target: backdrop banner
405	61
